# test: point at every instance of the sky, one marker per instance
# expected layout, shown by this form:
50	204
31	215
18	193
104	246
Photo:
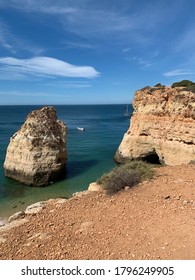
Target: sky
92	51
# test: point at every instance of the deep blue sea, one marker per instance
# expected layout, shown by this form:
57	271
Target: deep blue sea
90	152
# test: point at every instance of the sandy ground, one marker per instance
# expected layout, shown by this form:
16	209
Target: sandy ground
154	220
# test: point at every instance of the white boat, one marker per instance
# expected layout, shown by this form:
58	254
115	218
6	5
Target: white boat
127	114
81	128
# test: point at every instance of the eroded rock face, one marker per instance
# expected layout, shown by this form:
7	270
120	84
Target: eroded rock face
162	126
36	154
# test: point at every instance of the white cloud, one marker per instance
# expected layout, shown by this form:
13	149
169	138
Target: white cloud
179	72
11	68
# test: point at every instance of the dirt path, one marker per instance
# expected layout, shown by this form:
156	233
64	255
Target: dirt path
155	220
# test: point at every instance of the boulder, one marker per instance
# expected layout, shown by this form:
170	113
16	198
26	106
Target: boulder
2	222
35	208
16	216
95	187
36	154
162	127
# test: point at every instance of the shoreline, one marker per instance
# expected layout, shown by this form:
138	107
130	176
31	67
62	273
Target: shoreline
38	206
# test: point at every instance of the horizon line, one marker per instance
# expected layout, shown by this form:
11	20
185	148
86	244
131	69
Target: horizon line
91	104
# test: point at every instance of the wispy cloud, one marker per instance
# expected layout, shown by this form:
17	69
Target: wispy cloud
69	84
140	61
5	37
144	62
11	67
12	43
97	19
126	50
186	40
79	45
179	72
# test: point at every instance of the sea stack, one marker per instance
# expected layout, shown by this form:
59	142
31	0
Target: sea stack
36	154
162	127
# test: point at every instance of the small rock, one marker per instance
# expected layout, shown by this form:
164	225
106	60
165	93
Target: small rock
79	194
36	205
61	200
186	202
35	208
167	197
2	239
2	222
95	187
13	224
16	216
178	197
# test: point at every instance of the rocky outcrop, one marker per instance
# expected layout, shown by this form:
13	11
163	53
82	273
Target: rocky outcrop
36	154
162	126
95	187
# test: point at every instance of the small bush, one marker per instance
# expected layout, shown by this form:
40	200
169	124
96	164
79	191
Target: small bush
158	85
128	174
191	88
146	87
183	83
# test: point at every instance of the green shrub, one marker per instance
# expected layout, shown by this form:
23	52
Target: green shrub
128	174
191	88
183	83
146	87
158	85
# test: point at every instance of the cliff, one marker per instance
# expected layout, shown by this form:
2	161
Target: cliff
36	154
162	126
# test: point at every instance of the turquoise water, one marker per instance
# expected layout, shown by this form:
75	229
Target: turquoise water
90	153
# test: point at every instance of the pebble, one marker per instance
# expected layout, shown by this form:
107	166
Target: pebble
186	201
16	216
2	222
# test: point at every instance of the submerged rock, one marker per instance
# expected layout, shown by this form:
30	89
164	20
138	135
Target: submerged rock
162	127
36	154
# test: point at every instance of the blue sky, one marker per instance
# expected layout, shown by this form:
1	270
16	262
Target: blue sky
92	51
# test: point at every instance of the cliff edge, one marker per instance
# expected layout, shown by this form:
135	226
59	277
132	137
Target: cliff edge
162	126
154	220
36	154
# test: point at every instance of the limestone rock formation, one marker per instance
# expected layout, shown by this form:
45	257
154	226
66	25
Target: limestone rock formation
36	154
162	126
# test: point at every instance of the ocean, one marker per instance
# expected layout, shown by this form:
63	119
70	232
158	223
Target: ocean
90	152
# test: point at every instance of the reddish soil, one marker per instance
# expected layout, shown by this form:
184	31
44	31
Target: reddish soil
154	220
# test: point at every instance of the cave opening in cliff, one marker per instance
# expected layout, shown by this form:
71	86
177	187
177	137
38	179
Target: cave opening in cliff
152	158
